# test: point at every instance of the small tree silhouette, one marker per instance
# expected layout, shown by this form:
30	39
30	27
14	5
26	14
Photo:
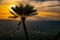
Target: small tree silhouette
23	11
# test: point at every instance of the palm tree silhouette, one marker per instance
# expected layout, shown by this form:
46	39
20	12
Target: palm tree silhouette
23	11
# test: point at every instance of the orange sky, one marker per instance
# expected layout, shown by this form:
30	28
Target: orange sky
4	13
4	10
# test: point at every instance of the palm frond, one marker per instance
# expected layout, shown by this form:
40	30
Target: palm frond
13	13
24	10
13	16
33	14
15	9
28	9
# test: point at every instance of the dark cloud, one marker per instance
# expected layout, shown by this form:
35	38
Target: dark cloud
44	0
0	0
49	6
37	0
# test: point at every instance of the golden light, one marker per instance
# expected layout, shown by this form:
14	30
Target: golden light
12	6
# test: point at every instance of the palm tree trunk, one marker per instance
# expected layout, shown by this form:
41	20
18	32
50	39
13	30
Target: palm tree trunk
25	30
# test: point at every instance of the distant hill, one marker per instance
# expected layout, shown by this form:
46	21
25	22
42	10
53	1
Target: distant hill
43	26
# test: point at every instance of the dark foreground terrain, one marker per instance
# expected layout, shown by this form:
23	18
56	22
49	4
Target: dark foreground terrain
37	30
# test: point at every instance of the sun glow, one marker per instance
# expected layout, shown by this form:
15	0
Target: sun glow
11	6
5	10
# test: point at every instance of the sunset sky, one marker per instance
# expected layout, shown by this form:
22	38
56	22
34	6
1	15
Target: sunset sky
48	10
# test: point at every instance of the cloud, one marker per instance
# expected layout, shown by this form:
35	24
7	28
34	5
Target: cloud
51	6
4	2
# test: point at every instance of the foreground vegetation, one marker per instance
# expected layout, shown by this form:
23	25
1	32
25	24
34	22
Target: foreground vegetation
32	36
